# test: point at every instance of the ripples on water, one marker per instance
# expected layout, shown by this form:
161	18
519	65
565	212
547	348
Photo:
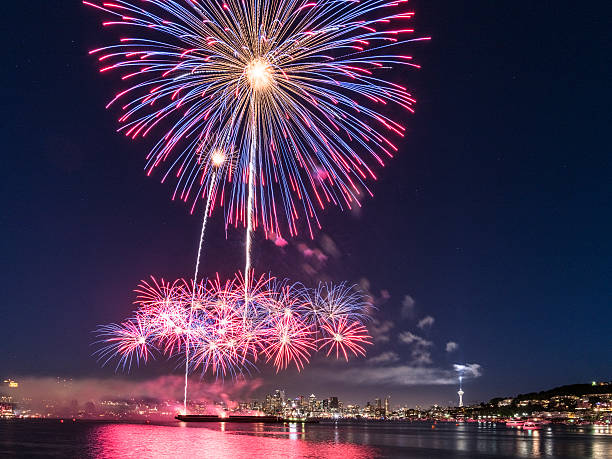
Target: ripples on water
31	438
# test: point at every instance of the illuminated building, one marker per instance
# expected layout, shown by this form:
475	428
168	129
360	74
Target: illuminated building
312	403
460	392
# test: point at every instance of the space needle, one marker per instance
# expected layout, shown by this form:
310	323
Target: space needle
460	392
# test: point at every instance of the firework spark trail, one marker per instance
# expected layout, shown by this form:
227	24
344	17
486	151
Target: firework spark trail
216	160
206	210
195	281
251	188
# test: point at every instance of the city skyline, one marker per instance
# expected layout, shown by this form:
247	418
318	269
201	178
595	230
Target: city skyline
168	388
569	404
164	387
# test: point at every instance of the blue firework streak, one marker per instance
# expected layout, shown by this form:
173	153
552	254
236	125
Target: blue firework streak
291	91
131	342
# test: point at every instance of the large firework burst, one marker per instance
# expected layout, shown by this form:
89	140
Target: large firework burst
290	89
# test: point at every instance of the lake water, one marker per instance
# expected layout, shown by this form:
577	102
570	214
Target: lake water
37	438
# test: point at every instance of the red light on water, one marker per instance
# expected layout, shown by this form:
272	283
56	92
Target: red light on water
126	440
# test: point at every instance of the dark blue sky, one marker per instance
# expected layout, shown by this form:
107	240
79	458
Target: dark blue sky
494	217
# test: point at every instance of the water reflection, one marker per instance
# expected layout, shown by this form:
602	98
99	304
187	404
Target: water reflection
535	443
37	438
154	441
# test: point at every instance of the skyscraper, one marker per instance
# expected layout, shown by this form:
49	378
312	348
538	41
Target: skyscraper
312	402
378	408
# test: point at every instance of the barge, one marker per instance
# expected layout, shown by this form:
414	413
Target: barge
230	418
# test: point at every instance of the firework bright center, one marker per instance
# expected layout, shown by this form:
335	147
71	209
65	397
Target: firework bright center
259	73
217	158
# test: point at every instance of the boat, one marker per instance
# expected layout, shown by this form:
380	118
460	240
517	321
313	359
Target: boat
216	418
530	425
514	423
239	418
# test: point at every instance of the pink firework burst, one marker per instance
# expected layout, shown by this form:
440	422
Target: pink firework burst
289	340
344	337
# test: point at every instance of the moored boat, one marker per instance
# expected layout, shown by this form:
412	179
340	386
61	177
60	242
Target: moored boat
514	423
531	425
215	418
238	418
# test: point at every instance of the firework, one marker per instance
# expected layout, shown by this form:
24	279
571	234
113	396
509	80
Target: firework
343	337
129	341
292	90
223	334
289	340
341	301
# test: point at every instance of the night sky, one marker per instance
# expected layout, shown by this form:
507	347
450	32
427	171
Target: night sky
493	219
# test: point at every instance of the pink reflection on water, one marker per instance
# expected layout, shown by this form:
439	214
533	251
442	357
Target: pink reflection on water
151	441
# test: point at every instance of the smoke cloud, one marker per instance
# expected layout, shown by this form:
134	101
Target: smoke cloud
426	322
451	346
40	391
420	352
385	357
468	370
408	307
404	375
